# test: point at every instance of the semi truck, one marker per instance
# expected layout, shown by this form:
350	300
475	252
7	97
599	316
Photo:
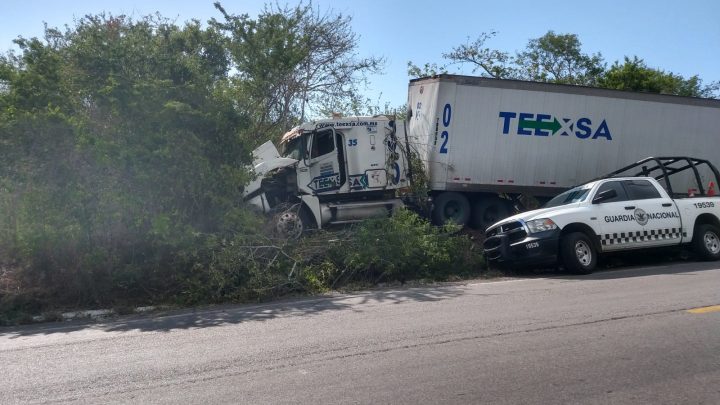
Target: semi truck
483	147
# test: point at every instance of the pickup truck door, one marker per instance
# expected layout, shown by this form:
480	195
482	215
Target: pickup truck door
655	212
618	225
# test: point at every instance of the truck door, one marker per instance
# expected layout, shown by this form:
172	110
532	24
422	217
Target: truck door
616	219
658	216
327	173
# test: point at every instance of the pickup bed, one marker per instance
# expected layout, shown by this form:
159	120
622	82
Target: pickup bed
611	214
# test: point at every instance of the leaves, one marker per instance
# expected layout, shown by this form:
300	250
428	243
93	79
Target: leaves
635	75
126	142
490	62
293	63
122	149
558	58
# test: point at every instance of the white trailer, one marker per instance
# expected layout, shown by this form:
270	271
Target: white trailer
482	137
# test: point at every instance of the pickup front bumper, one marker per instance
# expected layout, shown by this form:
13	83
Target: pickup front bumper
514	247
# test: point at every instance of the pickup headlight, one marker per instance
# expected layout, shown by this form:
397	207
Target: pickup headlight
541	225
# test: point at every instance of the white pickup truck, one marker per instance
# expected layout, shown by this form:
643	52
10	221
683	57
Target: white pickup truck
615	213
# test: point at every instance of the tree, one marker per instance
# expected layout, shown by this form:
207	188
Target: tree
558	58
490	62
635	75
126	144
122	155
554	58
293	62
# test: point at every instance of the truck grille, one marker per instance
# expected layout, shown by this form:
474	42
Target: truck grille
514	230
491	243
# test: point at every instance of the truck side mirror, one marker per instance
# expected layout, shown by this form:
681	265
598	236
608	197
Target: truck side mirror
604	196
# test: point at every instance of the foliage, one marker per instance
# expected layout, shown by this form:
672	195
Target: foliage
255	266
293	62
122	156
490	62
125	145
635	75
427	70
558	58
555	58
403	247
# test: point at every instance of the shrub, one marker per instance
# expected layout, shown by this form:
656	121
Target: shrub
399	248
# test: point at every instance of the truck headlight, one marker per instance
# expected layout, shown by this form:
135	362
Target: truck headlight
541	225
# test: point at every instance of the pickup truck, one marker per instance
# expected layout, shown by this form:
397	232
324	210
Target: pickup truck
615	213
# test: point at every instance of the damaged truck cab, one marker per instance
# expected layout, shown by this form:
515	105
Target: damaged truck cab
332	171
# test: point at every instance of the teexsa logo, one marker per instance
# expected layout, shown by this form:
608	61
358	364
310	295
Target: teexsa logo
547	125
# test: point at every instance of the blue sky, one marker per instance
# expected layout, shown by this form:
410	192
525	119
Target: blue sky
681	37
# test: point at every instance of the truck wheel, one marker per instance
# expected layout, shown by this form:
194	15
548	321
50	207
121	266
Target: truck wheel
488	210
451	207
292	224
577	253
289	225
706	242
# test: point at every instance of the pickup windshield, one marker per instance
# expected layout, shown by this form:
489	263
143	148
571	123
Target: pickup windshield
577	194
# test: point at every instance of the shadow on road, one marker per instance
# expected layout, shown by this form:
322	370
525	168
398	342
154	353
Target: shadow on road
631	264
646	270
236	314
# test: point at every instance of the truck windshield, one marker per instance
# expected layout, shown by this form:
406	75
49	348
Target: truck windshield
293	149
574	195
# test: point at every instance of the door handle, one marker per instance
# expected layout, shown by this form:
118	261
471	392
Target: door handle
630	207
667	204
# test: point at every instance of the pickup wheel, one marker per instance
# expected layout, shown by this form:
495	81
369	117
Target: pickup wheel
451	207
577	253
706	241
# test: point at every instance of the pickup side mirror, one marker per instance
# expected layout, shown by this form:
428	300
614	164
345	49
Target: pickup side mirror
604	196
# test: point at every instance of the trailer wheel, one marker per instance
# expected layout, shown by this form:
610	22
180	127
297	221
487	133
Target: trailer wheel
451	207
488	210
706	242
577	253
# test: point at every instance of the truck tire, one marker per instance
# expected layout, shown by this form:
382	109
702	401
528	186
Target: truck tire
292	224
451	207
488	210
577	253
706	242
289	225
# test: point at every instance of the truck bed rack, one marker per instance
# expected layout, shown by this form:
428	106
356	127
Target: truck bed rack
663	168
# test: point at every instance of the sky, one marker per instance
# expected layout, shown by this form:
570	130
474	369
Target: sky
679	37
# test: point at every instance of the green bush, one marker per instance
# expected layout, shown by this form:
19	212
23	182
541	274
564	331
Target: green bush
125	144
253	267
123	155
399	248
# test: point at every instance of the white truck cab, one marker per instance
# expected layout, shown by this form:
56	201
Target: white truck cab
615	213
331	171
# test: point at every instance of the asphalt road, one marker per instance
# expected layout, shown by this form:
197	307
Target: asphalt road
621	336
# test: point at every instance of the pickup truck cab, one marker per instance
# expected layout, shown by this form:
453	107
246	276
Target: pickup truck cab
611	214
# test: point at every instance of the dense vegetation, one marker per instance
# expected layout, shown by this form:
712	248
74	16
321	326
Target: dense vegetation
125	143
